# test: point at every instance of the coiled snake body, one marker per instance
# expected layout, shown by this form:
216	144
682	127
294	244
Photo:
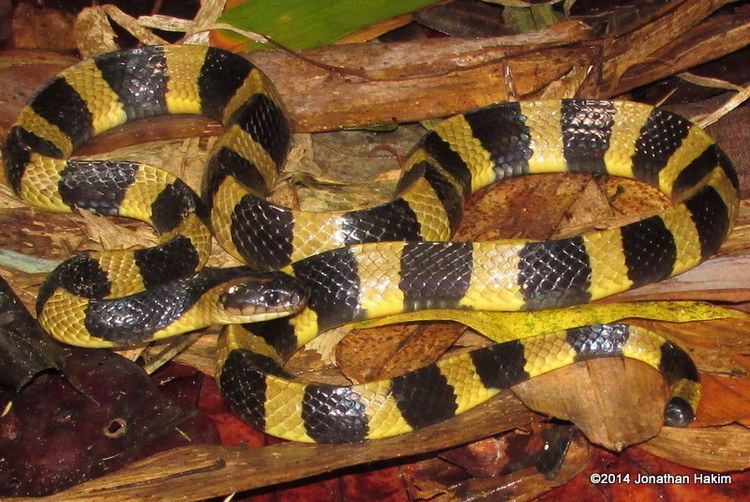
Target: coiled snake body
356	264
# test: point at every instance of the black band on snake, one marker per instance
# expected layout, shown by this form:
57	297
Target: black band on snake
356	264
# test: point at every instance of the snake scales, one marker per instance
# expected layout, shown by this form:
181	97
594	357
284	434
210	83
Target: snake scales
355	264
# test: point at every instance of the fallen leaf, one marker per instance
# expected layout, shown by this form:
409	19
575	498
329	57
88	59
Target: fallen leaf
25	350
726	400
53	436
615	402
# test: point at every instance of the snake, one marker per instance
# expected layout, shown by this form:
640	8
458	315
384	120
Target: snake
305	272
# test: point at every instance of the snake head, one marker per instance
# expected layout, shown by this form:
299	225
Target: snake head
263	295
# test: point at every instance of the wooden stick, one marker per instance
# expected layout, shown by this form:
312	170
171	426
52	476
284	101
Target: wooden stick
718	35
382	83
203	471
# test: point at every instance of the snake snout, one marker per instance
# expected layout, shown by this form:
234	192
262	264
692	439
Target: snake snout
266	293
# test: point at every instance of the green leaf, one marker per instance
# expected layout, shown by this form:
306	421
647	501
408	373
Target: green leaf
301	24
530	19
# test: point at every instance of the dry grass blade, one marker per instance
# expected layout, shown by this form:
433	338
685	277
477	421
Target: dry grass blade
170	351
732	103
715	83
131	24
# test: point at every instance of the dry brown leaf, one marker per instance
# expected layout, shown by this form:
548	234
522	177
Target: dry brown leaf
42	28
201	355
601	397
107	233
388	351
325	345
93	33
726	400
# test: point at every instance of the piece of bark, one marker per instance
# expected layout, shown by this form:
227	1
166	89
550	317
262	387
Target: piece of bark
716	449
627	50
321	100
360	84
412	81
723	33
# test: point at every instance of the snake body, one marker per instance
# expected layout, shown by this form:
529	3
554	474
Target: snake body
363	263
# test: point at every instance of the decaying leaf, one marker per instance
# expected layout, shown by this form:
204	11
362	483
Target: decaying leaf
387	351
727	400
25	350
614	402
54	435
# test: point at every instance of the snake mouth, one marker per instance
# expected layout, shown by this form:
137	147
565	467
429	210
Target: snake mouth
263	296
